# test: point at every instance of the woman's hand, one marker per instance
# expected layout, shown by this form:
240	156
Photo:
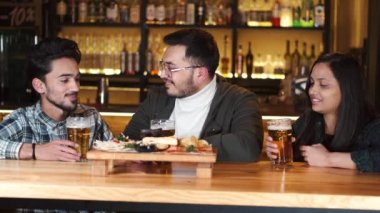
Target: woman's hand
316	155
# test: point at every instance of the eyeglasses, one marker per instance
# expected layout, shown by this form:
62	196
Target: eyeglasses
164	67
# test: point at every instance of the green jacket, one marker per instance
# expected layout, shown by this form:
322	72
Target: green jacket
233	125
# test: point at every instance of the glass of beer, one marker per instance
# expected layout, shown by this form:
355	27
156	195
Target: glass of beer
281	132
167	126
78	131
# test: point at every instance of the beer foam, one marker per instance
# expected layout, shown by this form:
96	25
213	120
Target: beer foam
280	124
77	122
279	127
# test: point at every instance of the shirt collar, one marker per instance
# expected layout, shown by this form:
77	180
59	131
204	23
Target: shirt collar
41	116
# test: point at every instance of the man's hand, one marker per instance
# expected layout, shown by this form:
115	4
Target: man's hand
59	150
271	147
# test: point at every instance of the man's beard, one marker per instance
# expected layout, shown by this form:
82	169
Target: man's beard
62	106
190	89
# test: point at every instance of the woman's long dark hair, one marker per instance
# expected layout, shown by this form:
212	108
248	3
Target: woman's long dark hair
354	109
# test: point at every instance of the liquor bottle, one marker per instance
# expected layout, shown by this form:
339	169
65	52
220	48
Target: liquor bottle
61	10
170	12
319	14
112	12
180	16
124	11
190	12
73	11
91	11
210	15
276	14
201	12
295	60
307	14
123	60
225	59
239	62
288	58
297	14
286	16
304	61
249	61
135	12
101	11
160	13
82	11
312	57
150	12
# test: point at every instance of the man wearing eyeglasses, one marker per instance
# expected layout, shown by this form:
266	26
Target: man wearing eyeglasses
202	103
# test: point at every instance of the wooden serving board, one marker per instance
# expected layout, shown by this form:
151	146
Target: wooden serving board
104	160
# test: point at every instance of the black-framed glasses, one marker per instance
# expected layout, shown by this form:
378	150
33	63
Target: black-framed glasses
164	67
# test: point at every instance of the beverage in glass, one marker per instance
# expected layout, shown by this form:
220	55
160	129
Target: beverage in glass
167	126
78	131
281	132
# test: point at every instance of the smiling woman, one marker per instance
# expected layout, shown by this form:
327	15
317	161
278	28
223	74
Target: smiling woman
341	128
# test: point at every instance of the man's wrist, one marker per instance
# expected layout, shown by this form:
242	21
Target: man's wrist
26	151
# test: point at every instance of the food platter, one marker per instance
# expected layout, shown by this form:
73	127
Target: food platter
105	152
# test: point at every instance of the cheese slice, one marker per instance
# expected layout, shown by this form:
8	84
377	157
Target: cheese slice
160	140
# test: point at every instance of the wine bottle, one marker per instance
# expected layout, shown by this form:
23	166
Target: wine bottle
249	60
288	58
225	59
239	62
295	60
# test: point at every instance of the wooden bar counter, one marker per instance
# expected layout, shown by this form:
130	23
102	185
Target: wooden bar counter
248	185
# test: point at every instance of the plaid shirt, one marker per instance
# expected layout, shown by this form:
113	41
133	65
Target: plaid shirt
32	125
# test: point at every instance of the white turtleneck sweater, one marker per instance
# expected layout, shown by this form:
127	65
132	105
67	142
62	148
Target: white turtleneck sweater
190	112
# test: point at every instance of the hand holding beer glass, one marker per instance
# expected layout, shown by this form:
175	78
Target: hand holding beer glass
78	131
280	149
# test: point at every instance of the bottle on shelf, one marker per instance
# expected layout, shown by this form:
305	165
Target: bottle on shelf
135	12
296	13
190	12
124	60
249	61
266	14
82	11
180	16
201	10
61	10
304	61
286	15
225	60
312	57
150	12
288	59
124	11
259	64
319	14
73	12
170	12
136	56
307	14
101	11
239	62
276	14
112	12
210	18
161	12
295	60
91	11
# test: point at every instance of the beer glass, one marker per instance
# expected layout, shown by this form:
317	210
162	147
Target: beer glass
281	132
78	131
167	126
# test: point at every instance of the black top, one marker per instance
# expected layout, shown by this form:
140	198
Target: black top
365	147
